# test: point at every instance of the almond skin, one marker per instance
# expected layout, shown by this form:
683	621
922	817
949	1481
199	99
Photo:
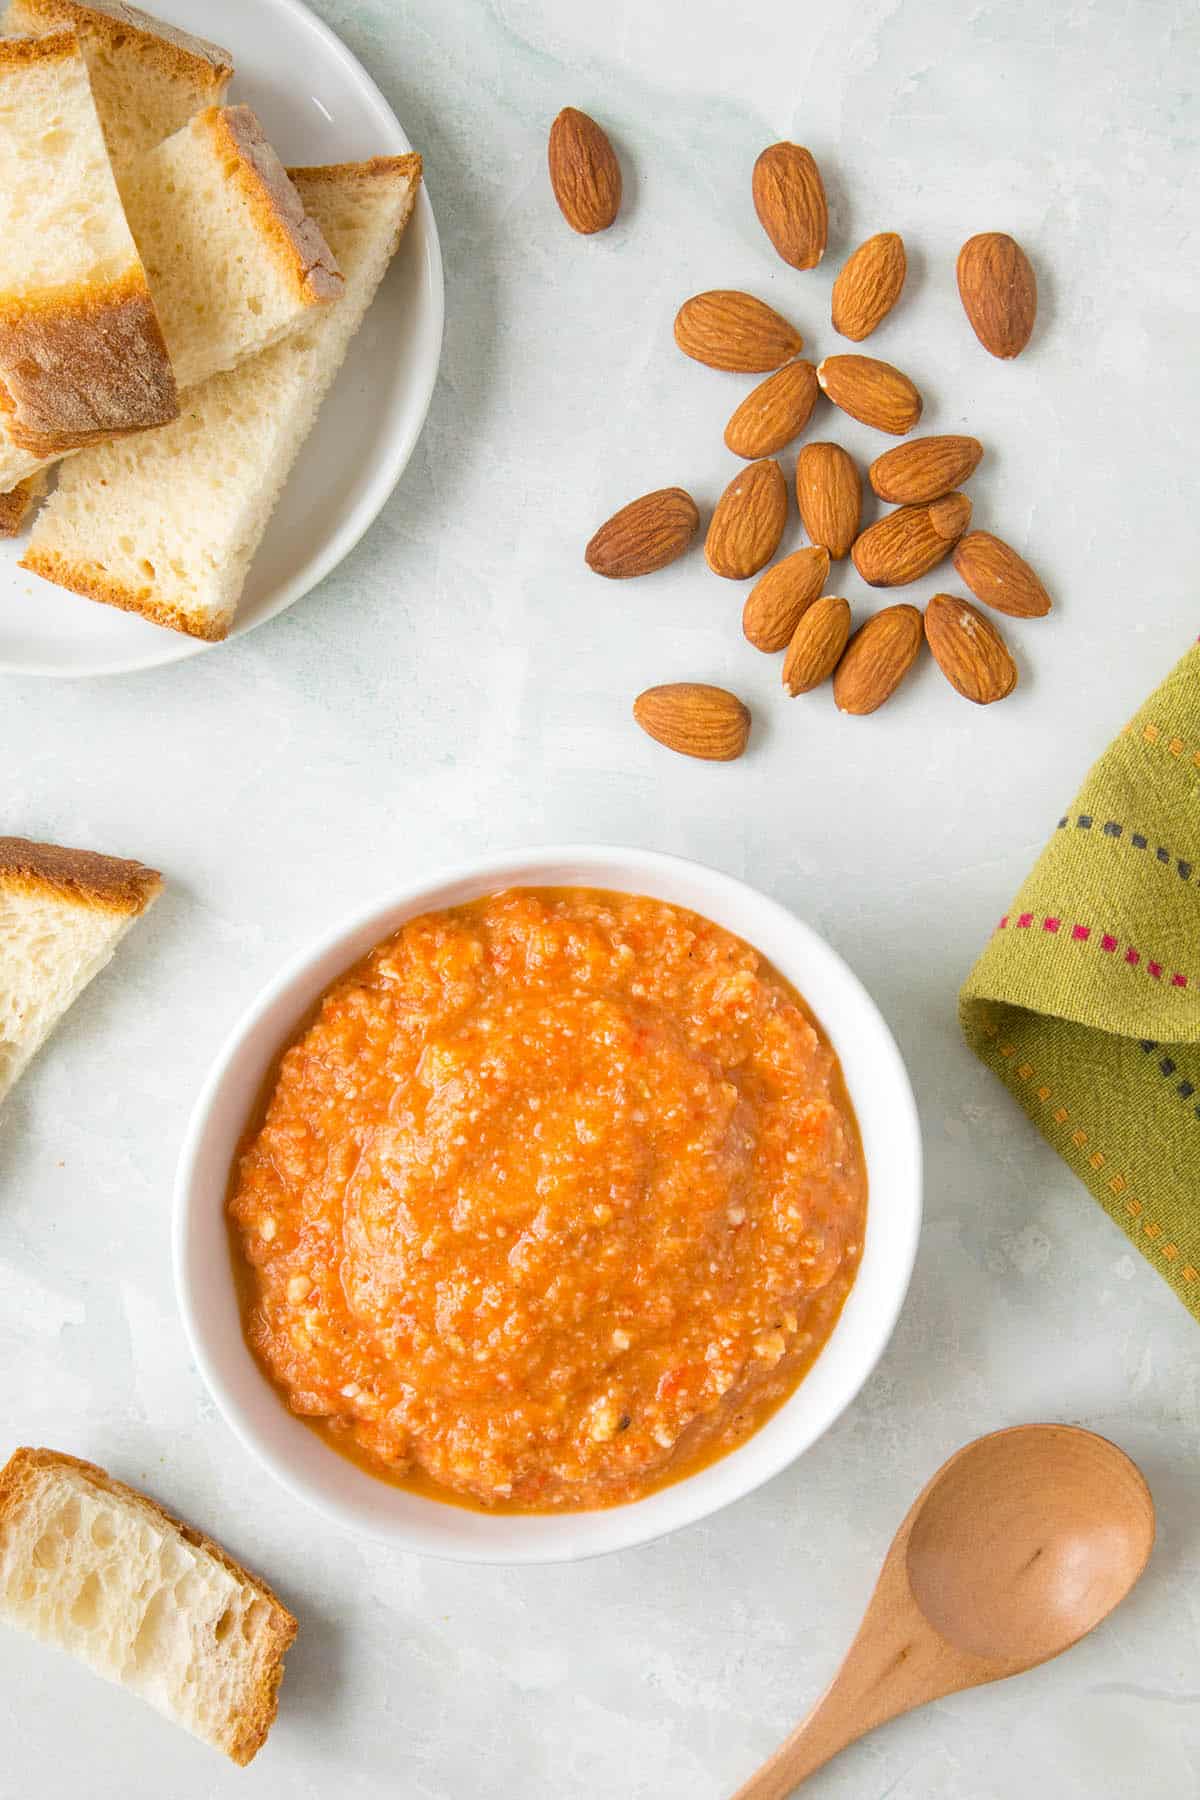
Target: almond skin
969	650
584	172
774	412
779	599
909	542
871	391
817	644
748	521
924	469
877	659
789	198
869	285
646	535
998	289
730	330
829	495
695	719
999	577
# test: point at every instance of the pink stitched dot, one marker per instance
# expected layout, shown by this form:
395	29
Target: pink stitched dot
1108	943
1179	981
1132	958
1051	924
1081	933
1155	969
1026	919
1003	922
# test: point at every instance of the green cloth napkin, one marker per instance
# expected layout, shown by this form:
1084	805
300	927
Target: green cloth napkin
1086	1002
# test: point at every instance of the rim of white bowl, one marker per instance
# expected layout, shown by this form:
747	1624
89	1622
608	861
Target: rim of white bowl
718	1484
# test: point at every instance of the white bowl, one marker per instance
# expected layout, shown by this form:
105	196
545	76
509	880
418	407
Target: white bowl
887	1117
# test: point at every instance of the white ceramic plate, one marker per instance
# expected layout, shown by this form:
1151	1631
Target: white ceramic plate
887	1118
318	105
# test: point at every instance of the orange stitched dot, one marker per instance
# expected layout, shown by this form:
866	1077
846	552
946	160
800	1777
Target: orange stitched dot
1117	1184
1170	1251
1061	1115
1097	1159
1190	1274
1008	1049
1025	1071
1151	734
1152	1231
1043	1093
1133	1207
1079	1139
1176	746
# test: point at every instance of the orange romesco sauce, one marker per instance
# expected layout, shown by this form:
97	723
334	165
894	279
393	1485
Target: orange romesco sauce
556	1198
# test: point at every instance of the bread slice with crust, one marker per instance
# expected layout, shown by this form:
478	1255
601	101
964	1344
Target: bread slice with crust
148	77
97	1569
81	353
166	524
62	915
233	261
17	505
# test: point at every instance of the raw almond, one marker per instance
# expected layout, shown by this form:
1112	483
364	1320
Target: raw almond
779	599
774	412
998	289
817	644
999	577
646	535
969	650
829	495
730	330
909	542
871	391
877	659
584	172
789	198
748	521
924	469
869	285
695	719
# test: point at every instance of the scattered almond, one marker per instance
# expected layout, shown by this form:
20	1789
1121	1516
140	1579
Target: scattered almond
646	535
999	577
817	644
998	289
774	412
877	659
730	330
829	495
789	198
869	285
871	391
969	650
907	543
695	719
584	172
924	469
778	599
748	521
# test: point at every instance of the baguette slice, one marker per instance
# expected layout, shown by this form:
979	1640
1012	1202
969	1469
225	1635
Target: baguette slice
93	1567
166	524
234	264
148	78
16	506
62	914
81	352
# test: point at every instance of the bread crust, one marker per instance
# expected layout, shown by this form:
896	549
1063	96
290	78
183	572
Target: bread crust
17	1482
18	503
83	877
95	583
83	362
59	46
375	168
110	23
298	244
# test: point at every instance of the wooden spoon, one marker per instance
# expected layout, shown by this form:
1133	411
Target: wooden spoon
1016	1549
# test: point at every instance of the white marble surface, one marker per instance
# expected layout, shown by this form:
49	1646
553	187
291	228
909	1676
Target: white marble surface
462	681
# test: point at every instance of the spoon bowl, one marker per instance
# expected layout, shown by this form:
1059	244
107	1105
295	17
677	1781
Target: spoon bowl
1018	1547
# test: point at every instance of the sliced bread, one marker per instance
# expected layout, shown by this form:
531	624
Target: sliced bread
16	506
233	262
81	353
95	1568
166	524
62	914
148	78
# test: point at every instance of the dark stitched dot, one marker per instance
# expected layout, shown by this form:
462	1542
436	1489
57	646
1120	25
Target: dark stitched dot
1084	821
1149	1044
1163	855
1112	829
1167	1066
1185	869
1196	1110
1062	822
1138	841
1185	1090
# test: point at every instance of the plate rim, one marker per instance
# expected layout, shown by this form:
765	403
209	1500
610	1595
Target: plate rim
382	479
